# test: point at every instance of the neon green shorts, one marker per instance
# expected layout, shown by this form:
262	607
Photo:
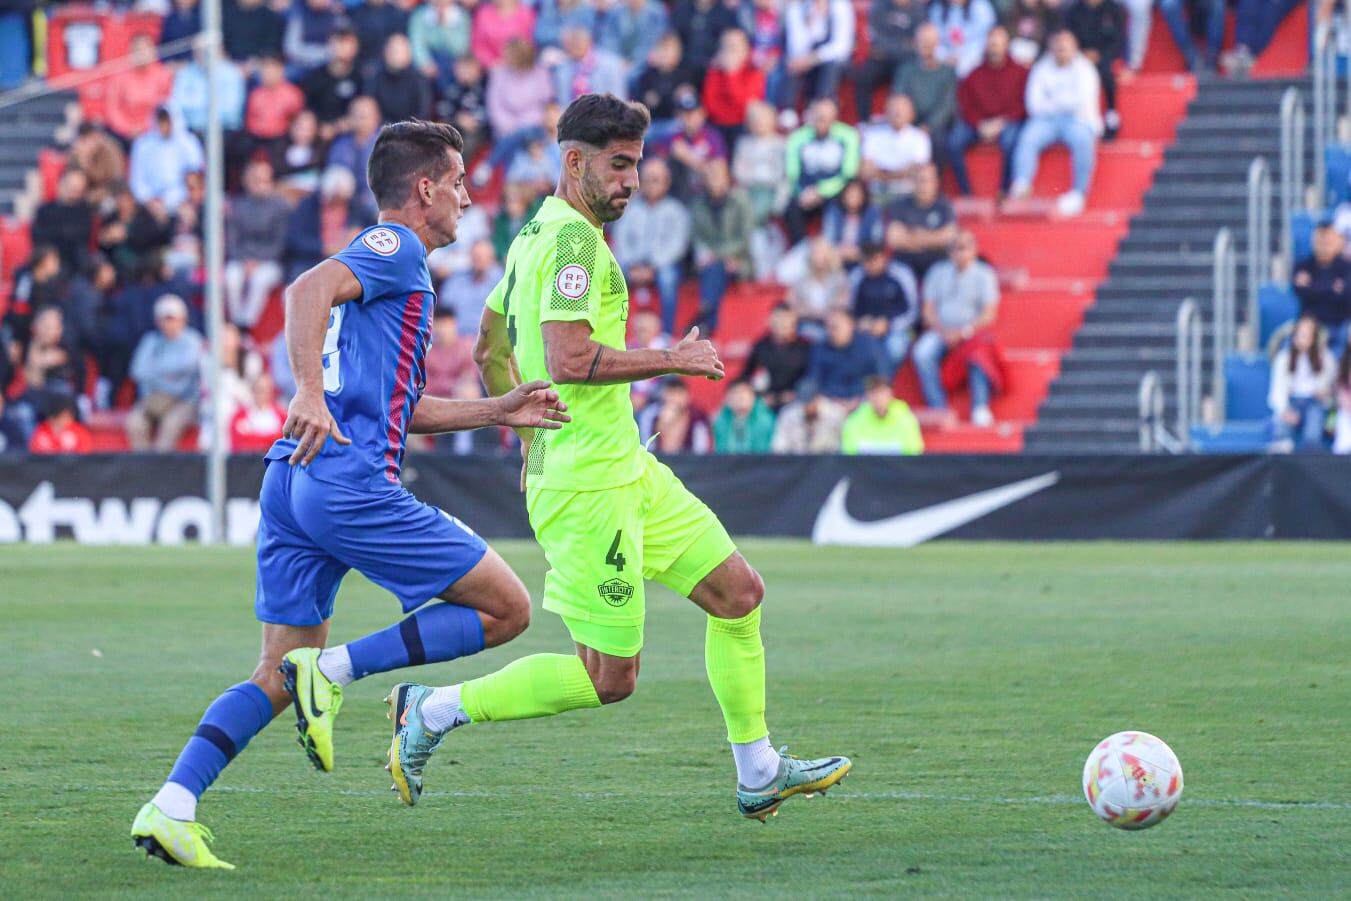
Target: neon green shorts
601	545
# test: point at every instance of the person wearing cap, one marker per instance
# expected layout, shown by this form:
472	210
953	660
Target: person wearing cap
161	160
167	369
693	148
1322	282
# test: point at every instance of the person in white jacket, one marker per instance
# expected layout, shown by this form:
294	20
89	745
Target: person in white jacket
818	44
1302	381
1063	107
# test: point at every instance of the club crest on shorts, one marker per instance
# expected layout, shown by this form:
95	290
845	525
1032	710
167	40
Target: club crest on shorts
615	592
384	241
573	281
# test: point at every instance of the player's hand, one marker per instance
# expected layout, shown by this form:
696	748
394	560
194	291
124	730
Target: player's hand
698	356
534	405
310	423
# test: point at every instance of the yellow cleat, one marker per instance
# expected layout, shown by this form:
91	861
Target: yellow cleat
173	841
316	699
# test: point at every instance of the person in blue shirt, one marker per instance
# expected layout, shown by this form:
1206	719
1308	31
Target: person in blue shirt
358	326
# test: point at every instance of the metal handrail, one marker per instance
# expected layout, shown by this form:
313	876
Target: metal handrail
1224	275
1324	65
1292	166
1151	411
1188	361
1259	235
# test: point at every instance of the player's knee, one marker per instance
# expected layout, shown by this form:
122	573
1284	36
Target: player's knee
613	689
743	595
517	618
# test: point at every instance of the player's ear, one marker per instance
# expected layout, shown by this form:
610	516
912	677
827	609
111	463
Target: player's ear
424	187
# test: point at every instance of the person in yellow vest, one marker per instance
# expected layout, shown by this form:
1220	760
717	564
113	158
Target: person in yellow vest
882	424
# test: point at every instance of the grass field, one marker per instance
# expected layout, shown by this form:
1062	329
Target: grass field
968	682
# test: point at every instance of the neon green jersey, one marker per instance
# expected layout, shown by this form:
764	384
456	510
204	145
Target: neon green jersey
559	268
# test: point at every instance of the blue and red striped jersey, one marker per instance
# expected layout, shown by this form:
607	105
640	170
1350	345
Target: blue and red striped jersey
375	354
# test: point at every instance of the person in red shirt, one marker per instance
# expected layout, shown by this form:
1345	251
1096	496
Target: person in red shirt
273	103
732	83
134	95
257	424
59	433
990	104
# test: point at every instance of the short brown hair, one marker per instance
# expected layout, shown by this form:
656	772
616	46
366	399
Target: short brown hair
600	119
406	151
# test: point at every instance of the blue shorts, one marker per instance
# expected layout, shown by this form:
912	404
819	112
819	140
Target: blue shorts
310	533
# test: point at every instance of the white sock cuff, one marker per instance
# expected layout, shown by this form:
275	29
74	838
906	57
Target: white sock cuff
336	663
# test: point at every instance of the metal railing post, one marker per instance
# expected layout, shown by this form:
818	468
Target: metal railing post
1320	116
1290	103
1259	236
1223	277
1151	411
1188	364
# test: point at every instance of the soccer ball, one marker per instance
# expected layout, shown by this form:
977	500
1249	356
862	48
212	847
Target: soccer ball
1132	780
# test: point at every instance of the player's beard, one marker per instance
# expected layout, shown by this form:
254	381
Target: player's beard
603	205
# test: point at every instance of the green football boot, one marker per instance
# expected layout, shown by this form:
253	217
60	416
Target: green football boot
317	700
176	842
413	743
796	777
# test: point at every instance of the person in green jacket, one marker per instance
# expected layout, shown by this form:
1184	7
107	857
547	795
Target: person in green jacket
882	424
721	222
745	425
821	158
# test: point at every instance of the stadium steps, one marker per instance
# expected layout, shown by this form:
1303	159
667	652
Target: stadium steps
1165	257
28	126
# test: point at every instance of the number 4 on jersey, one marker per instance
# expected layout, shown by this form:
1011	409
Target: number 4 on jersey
614	558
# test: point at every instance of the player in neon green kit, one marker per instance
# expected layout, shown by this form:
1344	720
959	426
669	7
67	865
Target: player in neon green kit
607	513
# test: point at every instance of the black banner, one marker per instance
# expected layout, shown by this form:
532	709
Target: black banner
130	499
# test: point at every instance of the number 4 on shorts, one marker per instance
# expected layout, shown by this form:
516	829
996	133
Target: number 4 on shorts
614	558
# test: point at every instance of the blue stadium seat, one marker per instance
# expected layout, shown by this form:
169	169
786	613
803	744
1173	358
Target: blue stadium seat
1231	438
1338	160
1278	305
1247	378
1301	234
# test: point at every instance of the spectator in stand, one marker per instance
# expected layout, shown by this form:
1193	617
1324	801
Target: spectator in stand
255	243
885	302
1139	21
466	291
12	440
822	289
451	355
695	147
67	222
961	301
630	29
821	157
675	425
818	44
666	78
132	230
762	21
1100	28
161	161
759	163
519	205
309	25
962	28
652	239
839	366
497	22
930	84
134	95
298	160
234	378
189	96
59	432
732	84
257	423
1256	22
778	360
853	223
893	150
463	103
251	29
519	91
440	31
167	368
473	227
182	21
352	150
375	21
586	69
701	24
881	425
990	104
36	285
920	228
53	363
130	315
744	425
807	427
401	91
721	223
646	334
330	88
101	160
1031	24
1303	376
1209	15
1063	107
273	103
1341	439
1322	282
557	16
536	167
891	41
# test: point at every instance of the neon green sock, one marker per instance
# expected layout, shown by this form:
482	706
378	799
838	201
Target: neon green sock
735	658
539	685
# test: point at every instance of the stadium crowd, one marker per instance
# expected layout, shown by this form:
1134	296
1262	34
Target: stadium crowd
752	175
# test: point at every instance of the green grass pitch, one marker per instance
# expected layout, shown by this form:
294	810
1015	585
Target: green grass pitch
968	682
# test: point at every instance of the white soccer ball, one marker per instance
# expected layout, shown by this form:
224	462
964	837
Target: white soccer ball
1132	780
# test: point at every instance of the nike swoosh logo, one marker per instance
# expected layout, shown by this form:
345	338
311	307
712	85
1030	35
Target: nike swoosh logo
403	717
313	709
834	525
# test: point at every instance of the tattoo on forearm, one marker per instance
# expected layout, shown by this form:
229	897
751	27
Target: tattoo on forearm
595	363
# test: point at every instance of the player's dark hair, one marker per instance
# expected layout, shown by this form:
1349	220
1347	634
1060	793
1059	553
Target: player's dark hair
600	119
406	151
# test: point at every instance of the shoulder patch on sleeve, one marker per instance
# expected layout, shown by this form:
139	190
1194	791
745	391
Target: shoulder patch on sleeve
384	241
574	262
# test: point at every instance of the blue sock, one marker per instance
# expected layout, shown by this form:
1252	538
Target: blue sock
226	727
436	633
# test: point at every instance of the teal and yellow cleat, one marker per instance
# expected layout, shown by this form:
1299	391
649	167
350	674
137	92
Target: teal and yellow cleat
412	744
317	701
796	777
176	842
